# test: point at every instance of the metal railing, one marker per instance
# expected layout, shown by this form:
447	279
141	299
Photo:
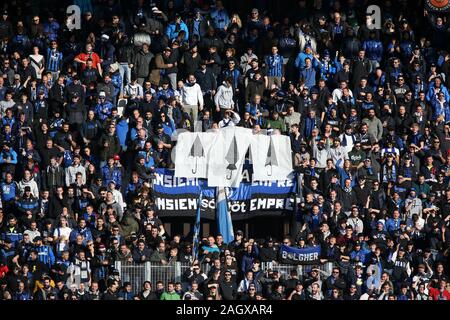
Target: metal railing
285	269
137	274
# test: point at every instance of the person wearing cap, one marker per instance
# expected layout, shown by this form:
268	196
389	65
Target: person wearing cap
103	107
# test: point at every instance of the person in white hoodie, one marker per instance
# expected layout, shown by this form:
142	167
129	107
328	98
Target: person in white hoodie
192	97
224	97
28	181
71	171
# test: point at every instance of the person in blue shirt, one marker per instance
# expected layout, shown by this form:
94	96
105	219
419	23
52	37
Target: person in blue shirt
103	108
210	250
9	192
374	50
327	68
435	87
82	230
175	27
51	27
8	159
45	253
274	64
220	17
308	74
166	91
393	224
111	172
300	60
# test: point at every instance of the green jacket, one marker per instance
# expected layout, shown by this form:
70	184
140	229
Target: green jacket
170	296
276	124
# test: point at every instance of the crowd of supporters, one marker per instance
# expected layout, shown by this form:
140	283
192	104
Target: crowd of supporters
88	114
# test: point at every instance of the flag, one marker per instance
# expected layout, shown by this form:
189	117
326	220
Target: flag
227	156
191	154
271	157
224	223
197	227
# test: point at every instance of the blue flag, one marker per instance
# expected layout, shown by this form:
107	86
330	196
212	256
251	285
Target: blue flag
225	225
197	227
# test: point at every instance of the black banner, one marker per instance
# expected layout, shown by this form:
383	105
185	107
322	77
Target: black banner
178	197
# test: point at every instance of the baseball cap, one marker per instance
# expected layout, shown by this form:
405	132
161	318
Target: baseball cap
116	157
102	94
240	232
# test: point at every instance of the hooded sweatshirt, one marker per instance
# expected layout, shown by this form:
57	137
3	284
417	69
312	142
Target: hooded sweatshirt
224	96
32	184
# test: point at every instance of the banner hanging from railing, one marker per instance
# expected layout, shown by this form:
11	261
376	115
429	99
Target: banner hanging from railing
178	197
292	255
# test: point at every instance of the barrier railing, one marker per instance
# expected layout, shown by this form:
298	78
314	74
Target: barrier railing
137	274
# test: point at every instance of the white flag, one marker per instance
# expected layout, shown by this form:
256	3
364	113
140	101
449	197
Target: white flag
227	157
191	154
271	157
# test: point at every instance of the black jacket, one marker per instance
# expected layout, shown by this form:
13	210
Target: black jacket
228	290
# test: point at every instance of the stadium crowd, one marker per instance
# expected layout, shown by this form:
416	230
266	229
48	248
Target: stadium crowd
88	114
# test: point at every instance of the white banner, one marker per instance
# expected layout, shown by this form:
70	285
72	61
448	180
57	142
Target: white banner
191	154
227	157
271	157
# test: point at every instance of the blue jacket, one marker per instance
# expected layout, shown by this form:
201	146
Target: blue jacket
12	234
103	111
9	191
274	65
220	18
172	34
374	49
86	233
431	95
11	154
116	80
392	225
45	255
122	132
309	77
440	110
300	60
149	160
113	174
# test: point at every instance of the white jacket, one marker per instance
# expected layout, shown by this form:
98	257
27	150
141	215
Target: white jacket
33	186
192	95
224	97
71	173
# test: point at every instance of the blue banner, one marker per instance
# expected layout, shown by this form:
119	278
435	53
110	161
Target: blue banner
179	196
292	255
